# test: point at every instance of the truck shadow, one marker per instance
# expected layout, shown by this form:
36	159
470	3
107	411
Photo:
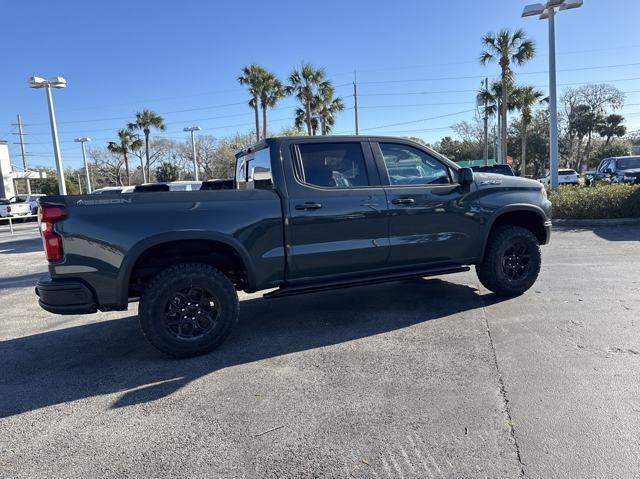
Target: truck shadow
22	281
23	245
111	356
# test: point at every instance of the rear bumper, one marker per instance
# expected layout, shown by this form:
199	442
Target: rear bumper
65	296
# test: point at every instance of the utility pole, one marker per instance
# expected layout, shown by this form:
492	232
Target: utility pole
486	123
193	130
355	100
24	154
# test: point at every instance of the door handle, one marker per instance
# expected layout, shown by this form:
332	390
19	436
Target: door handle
309	206
403	201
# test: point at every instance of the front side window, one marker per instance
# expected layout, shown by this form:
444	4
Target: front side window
332	165
408	166
603	165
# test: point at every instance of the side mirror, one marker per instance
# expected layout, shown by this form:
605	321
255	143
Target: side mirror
607	171
465	176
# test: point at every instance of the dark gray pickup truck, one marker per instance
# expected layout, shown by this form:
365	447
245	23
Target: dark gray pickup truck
306	214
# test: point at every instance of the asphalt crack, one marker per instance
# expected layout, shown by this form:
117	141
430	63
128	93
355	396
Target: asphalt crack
503	392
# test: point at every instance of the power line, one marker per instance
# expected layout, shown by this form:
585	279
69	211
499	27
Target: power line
434	92
402	105
415	121
475	62
476	77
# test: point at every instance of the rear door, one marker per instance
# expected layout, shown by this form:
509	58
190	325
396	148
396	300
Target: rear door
338	224
431	220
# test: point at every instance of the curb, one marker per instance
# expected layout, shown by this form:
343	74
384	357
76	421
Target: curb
597	222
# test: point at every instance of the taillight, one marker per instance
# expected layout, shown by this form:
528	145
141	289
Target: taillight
8	209
51	240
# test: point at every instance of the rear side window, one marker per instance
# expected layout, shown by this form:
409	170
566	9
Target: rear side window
332	165
253	170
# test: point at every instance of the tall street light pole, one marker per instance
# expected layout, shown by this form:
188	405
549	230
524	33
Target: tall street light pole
55	82
193	130
548	12
82	141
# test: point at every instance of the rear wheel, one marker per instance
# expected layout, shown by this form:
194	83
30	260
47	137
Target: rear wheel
511	261
188	309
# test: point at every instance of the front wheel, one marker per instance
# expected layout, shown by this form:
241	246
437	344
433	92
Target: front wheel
511	261
188	309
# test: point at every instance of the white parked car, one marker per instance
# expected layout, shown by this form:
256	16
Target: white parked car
31	200
14	207
112	190
565	177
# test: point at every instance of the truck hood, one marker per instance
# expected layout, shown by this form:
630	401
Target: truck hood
492	180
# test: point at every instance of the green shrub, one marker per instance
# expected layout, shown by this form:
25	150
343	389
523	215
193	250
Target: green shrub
602	201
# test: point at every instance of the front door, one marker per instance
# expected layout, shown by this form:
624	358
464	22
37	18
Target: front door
338	212
431	219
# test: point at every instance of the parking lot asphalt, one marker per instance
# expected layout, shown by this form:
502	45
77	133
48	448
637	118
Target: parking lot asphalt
424	378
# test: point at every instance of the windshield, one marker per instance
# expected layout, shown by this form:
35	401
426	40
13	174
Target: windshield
629	163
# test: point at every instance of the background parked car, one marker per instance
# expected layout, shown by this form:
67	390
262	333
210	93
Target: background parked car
113	190
169	186
565	177
31	200
620	169
14	207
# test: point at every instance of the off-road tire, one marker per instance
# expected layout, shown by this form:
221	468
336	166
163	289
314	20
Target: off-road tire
162	290
491	271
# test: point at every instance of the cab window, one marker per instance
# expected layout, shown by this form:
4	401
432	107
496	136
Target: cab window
332	165
408	166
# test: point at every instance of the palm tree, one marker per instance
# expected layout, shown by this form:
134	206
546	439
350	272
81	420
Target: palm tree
493	99
145	120
300	121
524	98
506	48
271	92
612	126
306	83
127	142
253	76
327	106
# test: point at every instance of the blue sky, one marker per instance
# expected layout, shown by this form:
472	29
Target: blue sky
182	59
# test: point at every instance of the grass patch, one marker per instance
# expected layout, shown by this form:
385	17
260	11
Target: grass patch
599	202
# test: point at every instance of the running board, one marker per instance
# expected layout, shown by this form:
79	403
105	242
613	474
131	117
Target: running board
314	288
